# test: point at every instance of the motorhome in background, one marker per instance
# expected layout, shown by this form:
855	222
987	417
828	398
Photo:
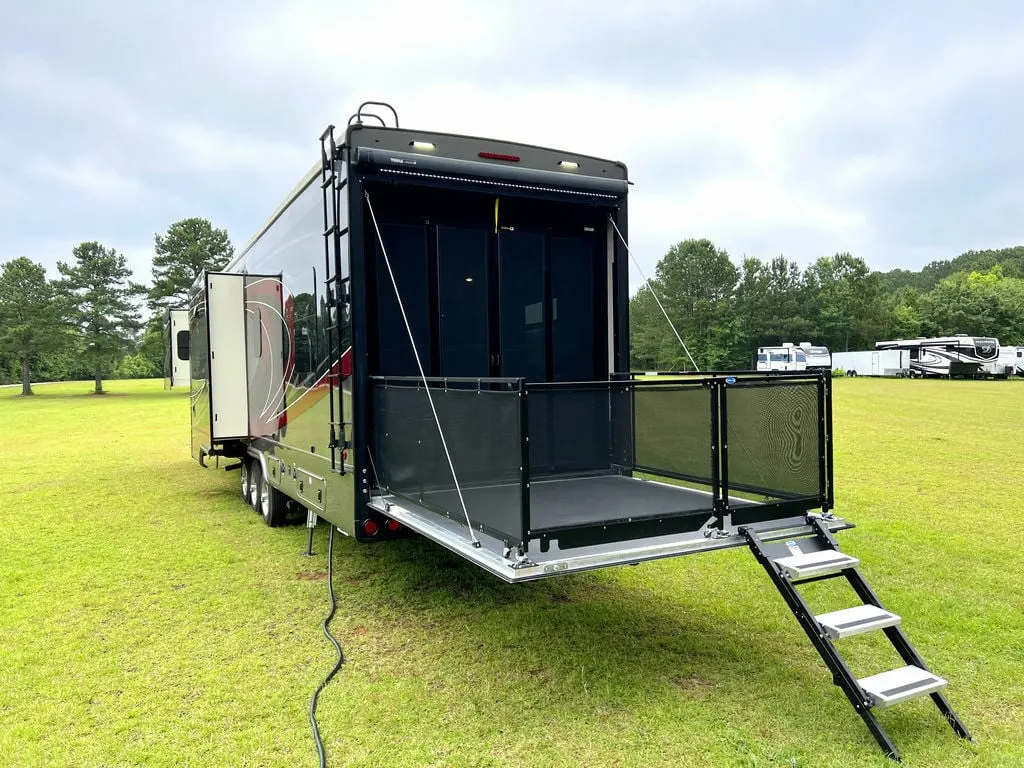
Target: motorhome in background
948	356
872	362
177	349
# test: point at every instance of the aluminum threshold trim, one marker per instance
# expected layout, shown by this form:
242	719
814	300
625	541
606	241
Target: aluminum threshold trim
554	563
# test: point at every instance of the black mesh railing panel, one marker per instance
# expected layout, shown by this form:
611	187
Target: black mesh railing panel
773	443
578	429
482	430
673	430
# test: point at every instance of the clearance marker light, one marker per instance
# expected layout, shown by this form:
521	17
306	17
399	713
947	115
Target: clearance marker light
569	165
424	145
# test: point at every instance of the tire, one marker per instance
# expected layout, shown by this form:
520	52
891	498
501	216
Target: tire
271	504
255	477
244	472
852	374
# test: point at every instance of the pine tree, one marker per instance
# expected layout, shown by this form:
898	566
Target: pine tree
101	294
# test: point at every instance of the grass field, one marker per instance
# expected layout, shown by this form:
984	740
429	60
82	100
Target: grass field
148	618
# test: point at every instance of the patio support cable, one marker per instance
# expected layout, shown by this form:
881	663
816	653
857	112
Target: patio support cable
423	375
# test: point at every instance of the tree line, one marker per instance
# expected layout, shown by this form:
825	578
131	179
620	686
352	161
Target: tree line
88	322
724	312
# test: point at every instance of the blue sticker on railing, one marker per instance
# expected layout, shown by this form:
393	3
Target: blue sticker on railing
730	379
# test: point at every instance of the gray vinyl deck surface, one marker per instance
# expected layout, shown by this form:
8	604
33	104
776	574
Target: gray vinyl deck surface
585	501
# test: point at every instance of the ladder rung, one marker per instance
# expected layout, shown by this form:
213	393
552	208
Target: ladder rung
903	684
816	563
328	181
855	621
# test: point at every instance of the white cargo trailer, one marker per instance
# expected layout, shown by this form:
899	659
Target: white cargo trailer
873	362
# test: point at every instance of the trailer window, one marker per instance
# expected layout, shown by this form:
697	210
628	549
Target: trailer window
779	357
801	357
183	345
762	357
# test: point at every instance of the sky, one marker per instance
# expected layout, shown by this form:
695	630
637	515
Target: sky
889	130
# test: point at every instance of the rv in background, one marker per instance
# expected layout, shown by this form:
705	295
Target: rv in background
177	369
791	357
873	362
1008	363
947	356
817	357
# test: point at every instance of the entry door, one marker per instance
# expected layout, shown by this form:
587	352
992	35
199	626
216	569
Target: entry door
522	319
548	326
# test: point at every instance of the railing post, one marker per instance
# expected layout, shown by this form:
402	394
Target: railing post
524	472
716	455
822	451
723	426
828	438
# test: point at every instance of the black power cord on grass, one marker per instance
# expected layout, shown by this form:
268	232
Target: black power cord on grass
337	646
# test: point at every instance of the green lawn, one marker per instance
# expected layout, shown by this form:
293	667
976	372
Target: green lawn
148	618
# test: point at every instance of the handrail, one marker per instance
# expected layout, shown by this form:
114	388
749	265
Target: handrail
511	381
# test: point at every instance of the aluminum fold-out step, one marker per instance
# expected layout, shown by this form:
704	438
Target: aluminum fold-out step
903	684
790	565
855	621
816	563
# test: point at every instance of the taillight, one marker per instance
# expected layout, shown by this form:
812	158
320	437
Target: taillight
499	156
392	525
370	527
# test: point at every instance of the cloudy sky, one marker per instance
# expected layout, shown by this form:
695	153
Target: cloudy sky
892	130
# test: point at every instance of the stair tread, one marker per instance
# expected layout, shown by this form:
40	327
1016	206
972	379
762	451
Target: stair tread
856	620
816	563
901	684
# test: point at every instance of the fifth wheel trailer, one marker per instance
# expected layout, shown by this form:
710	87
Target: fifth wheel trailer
430	336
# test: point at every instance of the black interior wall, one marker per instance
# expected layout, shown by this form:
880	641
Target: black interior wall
491	286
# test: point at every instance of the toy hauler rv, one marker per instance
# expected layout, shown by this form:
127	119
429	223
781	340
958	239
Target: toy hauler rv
177	369
430	335
947	356
873	362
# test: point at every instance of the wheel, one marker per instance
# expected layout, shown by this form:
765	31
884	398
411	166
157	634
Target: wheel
852	374
255	477
272	504
246	490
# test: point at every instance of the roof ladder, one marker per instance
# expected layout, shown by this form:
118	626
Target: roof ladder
803	560
337	290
